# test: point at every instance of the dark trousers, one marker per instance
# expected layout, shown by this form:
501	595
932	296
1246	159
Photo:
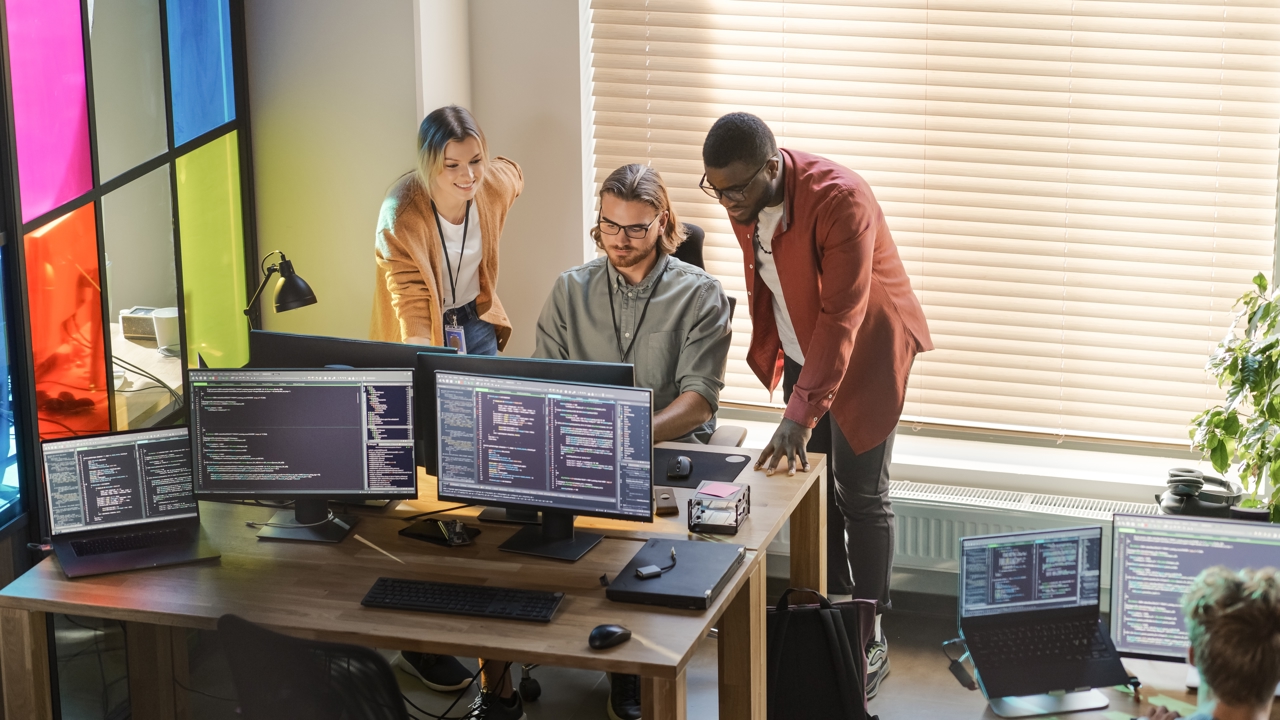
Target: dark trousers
860	526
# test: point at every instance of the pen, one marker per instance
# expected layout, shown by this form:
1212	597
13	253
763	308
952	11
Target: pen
375	547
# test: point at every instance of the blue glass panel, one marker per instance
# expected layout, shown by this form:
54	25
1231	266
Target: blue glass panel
10	487
200	66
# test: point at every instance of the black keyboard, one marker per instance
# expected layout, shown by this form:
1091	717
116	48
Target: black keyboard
1069	640
452	599
132	541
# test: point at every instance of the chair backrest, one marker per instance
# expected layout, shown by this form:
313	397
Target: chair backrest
690	251
278	677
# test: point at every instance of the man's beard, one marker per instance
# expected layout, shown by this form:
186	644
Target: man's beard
633	260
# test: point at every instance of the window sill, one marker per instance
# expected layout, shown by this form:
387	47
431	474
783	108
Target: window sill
1122	473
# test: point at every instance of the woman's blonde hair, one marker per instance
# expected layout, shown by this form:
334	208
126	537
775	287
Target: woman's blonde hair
439	128
1233	619
641	183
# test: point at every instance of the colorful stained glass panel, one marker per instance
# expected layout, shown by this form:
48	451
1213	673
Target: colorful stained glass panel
211	235
64	295
200	70
50	113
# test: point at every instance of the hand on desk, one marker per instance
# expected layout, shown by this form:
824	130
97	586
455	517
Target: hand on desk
1162	713
789	441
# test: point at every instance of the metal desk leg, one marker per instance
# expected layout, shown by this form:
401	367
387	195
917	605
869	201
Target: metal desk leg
154	659
663	699
742	652
809	538
24	665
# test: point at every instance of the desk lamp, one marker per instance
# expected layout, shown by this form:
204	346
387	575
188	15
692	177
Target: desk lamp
291	291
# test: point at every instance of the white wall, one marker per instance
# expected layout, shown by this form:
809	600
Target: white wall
334	99
526	92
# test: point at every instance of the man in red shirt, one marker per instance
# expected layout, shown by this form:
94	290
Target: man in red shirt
834	318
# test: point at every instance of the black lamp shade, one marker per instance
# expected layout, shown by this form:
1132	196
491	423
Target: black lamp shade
292	292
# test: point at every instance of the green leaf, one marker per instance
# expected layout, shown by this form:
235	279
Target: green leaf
1261	281
1231	424
1251	370
1218	456
1251	503
1210	441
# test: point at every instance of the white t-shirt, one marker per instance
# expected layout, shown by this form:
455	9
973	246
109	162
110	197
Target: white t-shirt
468	276
770	217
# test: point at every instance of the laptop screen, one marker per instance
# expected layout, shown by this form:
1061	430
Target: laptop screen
1018	572
120	479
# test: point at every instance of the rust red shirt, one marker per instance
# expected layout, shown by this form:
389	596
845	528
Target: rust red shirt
850	301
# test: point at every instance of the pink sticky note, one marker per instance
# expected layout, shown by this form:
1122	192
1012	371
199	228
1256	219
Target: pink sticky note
720	490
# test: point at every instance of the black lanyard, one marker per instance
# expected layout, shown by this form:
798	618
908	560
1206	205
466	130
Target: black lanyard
617	333
453	279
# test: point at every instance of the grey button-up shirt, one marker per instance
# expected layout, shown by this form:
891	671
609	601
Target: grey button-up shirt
682	344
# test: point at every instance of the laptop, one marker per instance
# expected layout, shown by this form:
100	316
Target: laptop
123	501
1029	613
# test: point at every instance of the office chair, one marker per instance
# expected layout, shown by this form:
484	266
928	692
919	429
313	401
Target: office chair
278	677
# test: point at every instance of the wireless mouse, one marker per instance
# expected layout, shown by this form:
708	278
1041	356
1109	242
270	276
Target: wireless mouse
607	636
679	468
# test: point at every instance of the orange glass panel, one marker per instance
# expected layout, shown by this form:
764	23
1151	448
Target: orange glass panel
65	300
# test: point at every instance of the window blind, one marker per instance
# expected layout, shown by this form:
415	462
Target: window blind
1079	189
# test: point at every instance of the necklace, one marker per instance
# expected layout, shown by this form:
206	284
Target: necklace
466	222
617	332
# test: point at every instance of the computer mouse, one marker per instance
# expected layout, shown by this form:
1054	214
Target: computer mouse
680	467
607	636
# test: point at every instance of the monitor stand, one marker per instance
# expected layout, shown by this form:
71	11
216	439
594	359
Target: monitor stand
307	512
1048	704
555	538
515	517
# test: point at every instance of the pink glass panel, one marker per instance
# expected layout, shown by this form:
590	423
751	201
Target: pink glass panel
50	115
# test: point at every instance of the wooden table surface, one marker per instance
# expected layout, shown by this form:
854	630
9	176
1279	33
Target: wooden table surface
141	398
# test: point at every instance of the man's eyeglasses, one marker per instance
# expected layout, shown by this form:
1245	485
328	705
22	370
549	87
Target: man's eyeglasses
734	194
635	232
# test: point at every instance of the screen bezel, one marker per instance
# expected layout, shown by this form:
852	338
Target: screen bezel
443	497
1004	616
345	497
1115	576
123	436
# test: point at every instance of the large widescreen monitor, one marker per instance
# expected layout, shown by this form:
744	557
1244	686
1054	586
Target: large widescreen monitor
1156	559
305	436
563	448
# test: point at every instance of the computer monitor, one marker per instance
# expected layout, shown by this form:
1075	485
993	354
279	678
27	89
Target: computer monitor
1025	571
1156	559
273	350
309	436
593	373
563	448
128	478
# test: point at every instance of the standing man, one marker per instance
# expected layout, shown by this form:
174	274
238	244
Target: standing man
640	305
834	318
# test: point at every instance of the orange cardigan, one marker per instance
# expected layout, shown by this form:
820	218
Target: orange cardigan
406	293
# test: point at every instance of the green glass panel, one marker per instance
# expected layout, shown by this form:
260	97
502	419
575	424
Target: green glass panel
212	242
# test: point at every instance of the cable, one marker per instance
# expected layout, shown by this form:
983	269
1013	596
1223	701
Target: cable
289	525
201	692
177	397
419	516
471	713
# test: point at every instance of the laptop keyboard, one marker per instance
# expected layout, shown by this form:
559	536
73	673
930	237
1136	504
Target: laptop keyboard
1070	640
132	541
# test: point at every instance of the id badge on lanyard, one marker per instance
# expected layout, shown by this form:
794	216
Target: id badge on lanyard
453	335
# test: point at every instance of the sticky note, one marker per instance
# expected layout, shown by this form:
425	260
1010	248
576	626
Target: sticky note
720	490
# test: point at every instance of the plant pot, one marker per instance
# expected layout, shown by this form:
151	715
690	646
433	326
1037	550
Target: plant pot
1257	514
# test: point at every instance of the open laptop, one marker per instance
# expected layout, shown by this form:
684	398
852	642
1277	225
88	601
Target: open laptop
123	501
1029	612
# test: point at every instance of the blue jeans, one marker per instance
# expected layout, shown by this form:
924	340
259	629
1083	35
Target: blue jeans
481	337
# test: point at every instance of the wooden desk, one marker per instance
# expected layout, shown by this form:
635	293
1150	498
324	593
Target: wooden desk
801	498
314	591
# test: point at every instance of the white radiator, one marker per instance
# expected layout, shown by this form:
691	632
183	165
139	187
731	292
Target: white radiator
931	519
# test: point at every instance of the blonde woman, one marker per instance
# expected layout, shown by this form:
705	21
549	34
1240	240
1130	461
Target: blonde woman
1233	620
437	241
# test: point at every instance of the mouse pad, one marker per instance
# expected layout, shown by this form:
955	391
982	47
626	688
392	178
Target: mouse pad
706	466
429	531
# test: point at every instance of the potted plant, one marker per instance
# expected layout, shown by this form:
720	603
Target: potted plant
1245	429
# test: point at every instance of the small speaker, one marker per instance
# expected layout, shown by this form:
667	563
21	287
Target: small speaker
136	323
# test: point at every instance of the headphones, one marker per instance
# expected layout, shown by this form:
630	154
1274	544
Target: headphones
1191	492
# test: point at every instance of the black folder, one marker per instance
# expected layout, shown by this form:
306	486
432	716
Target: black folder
702	570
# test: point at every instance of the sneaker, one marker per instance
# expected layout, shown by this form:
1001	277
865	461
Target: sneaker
442	673
624	697
488	706
877	665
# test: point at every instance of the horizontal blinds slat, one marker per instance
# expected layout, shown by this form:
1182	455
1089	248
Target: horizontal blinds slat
1079	189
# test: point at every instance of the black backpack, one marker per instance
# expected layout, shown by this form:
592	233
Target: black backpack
817	658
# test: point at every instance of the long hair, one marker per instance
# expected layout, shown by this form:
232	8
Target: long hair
439	128
641	183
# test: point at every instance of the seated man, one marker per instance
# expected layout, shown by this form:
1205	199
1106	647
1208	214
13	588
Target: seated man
642	306
1233	620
